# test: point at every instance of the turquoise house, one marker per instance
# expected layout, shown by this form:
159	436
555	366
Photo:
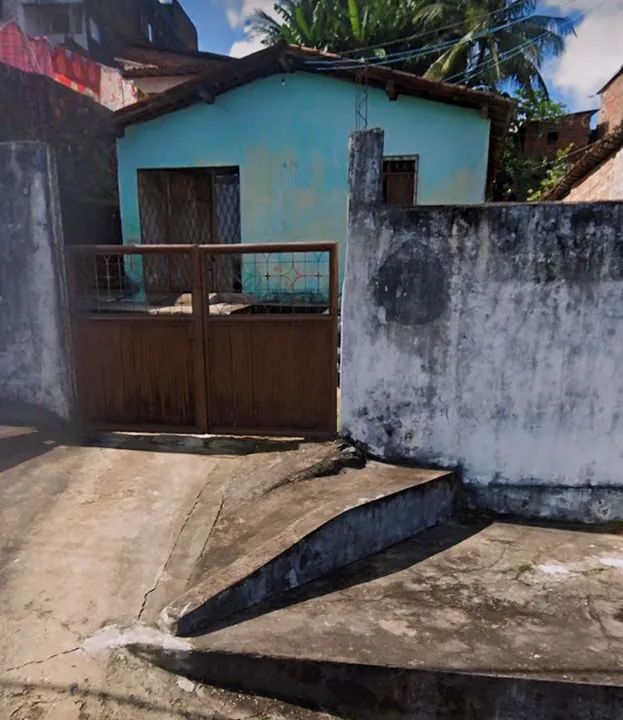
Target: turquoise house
256	150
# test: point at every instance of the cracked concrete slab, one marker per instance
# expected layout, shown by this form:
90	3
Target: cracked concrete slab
463	621
506	599
92	539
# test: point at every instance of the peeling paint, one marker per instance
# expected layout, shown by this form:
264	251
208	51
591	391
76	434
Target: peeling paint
487	338
289	141
35	358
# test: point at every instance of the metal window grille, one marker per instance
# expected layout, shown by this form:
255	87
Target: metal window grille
190	206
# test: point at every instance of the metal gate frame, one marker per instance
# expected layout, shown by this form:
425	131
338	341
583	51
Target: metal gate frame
201	327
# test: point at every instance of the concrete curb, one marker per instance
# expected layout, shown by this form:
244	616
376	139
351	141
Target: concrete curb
367	692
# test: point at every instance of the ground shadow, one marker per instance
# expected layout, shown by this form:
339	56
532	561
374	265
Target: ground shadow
369	692
387	562
193	444
23	445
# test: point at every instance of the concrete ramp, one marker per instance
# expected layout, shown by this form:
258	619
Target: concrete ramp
462	622
304	530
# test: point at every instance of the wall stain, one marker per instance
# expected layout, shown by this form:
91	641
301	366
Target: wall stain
411	285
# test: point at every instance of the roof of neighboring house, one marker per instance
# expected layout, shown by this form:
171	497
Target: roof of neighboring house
594	155
287	58
612	79
563	118
138	61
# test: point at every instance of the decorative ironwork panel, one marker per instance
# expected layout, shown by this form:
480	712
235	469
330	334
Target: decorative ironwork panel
268	282
146	284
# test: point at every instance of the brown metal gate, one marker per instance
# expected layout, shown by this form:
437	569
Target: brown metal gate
219	338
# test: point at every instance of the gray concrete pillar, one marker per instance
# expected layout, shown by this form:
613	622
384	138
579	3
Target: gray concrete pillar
365	168
36	359
365	171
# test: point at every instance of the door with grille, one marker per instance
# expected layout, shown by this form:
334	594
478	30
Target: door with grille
193	206
190	206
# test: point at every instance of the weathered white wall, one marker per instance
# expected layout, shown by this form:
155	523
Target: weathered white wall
35	354
489	338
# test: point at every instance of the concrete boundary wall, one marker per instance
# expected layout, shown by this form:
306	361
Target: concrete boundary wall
488	338
35	341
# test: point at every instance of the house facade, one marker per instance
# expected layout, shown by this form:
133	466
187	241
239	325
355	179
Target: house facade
264	139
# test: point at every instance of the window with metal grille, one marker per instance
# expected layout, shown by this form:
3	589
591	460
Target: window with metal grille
199	206
400	180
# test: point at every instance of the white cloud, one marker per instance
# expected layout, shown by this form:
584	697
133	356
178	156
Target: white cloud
593	55
237	11
246	47
233	16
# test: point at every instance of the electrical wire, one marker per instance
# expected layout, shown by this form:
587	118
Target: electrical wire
337	64
451	26
491	62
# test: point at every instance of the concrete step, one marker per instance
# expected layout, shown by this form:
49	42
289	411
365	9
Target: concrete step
304	530
459	623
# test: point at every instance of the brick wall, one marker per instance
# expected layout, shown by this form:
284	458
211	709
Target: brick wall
570	130
611	113
604	183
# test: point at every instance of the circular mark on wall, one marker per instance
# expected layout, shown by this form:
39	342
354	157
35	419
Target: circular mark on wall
411	286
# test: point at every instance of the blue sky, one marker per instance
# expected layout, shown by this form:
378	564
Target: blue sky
592	56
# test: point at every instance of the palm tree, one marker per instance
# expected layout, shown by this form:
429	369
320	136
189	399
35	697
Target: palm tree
497	41
480	43
337	25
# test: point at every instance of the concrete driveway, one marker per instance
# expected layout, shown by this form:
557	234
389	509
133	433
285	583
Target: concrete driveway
93	542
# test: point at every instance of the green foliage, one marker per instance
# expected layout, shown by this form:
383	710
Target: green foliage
552	172
486	43
526	178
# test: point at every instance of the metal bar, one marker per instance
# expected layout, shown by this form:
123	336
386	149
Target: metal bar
186	248
130	318
271	317
334	281
199	351
334	313
269	247
127	249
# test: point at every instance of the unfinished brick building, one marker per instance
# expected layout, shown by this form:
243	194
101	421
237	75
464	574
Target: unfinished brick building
598	173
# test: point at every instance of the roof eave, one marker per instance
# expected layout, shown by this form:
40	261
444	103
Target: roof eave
284	58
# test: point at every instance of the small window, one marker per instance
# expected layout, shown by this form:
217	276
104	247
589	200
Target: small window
150	32
552	137
400	180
